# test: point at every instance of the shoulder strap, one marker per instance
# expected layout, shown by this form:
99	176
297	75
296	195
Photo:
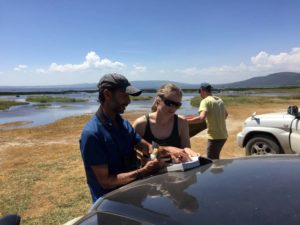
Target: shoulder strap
148	136
175	131
175	127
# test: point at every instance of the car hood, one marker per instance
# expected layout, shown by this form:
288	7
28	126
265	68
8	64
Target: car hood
279	120
275	115
249	190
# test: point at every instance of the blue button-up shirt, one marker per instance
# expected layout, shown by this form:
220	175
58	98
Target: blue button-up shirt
101	143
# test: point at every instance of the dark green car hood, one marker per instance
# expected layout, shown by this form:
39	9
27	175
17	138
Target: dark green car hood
250	190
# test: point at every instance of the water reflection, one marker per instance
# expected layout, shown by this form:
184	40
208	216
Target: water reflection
175	196
218	166
182	200
173	188
44	115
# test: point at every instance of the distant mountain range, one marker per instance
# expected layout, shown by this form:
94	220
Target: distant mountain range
154	84
282	79
273	80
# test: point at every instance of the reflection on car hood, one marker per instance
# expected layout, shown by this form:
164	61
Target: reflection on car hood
249	190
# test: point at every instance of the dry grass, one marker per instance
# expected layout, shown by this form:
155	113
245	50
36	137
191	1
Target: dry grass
42	176
41	172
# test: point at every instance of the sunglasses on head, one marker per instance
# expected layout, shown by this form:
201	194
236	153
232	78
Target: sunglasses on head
170	103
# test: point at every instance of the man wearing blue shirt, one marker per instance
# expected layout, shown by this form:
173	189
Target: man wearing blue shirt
107	140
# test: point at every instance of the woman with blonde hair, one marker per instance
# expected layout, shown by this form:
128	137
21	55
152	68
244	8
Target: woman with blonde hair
163	126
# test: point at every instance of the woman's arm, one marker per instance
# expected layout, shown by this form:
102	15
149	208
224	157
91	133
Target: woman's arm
183	128
185	137
140	125
143	149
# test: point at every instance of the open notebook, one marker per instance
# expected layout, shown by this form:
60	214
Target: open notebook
184	166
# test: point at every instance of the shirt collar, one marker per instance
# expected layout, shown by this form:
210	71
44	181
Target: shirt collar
105	119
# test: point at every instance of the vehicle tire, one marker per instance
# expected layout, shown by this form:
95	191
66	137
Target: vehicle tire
262	145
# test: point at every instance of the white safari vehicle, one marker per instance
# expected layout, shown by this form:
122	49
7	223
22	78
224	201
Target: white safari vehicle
273	133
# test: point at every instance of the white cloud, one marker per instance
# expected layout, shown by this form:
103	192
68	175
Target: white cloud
40	70
287	61
92	61
140	69
189	71
262	63
137	70
21	67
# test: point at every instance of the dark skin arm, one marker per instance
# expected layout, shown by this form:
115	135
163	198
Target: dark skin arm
144	147
108	181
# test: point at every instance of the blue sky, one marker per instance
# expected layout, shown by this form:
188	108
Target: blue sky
77	41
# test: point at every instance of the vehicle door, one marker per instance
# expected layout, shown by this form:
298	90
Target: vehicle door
295	135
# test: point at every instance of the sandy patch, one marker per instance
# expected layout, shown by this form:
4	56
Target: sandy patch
11	125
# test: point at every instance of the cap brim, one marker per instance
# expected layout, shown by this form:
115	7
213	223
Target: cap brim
131	90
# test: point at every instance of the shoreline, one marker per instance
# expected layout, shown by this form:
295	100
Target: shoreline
19	124
34	116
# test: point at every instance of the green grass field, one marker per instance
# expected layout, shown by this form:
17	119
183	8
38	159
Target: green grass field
140	98
45	99
242	100
6	104
290	90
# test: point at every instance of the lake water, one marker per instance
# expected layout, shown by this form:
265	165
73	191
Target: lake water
40	116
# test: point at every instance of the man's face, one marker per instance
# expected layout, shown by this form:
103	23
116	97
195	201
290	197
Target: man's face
119	101
201	92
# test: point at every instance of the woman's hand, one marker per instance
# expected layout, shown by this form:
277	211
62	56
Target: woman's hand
178	155
190	152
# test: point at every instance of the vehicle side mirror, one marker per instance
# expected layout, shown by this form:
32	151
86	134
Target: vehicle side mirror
293	110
